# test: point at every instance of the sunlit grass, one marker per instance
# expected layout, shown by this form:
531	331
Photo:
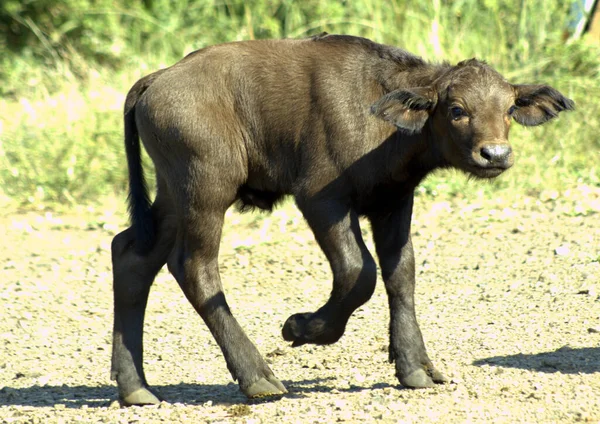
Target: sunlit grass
61	121
62	146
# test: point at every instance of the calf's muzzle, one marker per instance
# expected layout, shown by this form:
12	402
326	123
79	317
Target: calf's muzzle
494	156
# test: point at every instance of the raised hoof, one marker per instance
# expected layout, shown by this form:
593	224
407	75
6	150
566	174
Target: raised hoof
294	329
140	397
265	388
418	379
312	328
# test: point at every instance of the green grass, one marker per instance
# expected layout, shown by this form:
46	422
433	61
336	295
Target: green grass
62	94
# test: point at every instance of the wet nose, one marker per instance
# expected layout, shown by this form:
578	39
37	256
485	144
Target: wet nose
496	154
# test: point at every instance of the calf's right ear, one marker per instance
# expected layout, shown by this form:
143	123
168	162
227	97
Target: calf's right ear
408	109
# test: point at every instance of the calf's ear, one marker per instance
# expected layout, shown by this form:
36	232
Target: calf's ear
407	109
537	104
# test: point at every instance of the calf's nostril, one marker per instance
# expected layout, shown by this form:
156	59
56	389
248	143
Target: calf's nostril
495	153
486	153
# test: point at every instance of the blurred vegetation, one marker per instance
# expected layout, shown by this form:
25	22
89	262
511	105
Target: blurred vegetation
66	66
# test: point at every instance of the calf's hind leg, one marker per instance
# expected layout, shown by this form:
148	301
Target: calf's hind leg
133	275
194	264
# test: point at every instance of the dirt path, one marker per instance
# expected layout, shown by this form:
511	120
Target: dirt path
508	297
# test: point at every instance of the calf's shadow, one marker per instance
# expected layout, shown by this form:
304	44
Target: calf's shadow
566	360
190	394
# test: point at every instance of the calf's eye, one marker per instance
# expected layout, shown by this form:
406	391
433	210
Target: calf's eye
457	112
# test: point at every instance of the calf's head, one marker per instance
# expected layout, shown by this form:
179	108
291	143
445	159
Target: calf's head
468	111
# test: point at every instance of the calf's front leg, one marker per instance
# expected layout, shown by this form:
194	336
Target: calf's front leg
391	233
336	228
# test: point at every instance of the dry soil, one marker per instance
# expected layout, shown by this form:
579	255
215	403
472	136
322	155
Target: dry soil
507	298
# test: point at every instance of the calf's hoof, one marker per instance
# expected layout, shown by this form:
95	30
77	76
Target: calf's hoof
422	378
310	328
418	379
265	387
140	397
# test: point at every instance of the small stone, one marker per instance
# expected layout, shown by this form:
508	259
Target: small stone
395	406
590	291
344	384
548	195
565	348
345	416
553	290
276	352
315	365
240	410
515	285
562	250
114	405
340	404
359	378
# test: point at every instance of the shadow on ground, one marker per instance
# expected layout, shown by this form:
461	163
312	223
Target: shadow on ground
103	396
567	360
189	394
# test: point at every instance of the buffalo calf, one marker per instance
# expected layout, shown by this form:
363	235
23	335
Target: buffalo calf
348	128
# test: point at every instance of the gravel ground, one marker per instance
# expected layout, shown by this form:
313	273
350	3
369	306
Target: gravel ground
507	297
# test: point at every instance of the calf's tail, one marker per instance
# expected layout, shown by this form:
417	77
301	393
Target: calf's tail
139	203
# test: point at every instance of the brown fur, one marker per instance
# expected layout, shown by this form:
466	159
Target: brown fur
346	126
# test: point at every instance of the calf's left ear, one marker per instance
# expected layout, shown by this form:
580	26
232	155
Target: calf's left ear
537	104
408	109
